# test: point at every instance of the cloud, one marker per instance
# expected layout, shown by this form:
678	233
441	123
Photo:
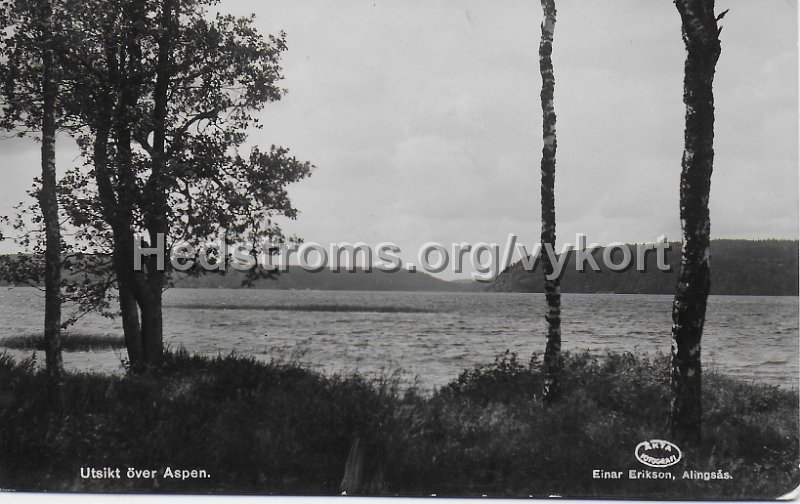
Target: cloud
423	119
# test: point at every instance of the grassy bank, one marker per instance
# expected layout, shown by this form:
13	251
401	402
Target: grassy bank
279	428
70	342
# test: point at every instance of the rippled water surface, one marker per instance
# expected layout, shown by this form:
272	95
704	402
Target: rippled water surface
432	336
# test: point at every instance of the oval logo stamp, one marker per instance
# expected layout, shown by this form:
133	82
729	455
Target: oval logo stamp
658	453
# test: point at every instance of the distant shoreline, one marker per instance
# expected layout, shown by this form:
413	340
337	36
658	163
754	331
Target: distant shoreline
738	267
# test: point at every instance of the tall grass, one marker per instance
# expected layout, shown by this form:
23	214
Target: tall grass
280	428
70	342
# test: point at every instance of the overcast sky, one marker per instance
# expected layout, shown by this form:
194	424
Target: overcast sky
424	122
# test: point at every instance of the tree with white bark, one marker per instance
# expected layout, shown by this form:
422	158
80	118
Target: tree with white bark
552	362
700	30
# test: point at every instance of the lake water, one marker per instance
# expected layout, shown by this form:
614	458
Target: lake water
433	336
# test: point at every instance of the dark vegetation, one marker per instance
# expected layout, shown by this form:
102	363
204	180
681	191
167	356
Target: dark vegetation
740	267
70	342
280	428
159	97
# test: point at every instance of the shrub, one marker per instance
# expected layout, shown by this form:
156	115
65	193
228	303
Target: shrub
279	427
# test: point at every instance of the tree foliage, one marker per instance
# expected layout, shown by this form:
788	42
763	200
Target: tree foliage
30	28
160	96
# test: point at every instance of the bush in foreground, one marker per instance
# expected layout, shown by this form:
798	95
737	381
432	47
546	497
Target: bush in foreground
280	428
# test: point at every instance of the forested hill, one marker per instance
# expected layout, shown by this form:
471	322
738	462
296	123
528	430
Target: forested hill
743	267
738	267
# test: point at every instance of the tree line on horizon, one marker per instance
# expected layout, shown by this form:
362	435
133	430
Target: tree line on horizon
741	267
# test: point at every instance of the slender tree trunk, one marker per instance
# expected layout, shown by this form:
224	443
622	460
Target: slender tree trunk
115	212
48	201
156	190
133	301
122	253
131	327
142	321
552	356
152	329
701	37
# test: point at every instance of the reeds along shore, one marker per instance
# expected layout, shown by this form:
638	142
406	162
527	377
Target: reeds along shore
246	426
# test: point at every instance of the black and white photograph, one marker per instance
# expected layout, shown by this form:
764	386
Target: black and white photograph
426	249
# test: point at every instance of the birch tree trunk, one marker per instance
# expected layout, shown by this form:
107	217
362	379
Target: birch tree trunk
701	37
48	202
552	288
